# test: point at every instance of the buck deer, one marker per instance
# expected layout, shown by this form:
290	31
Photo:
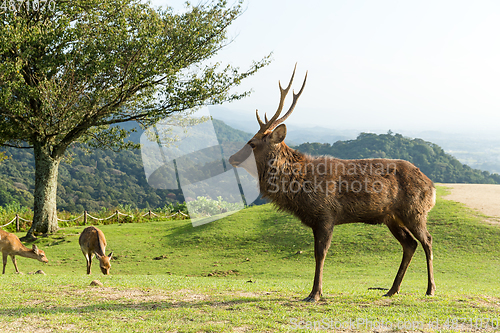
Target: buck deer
10	245
92	241
325	191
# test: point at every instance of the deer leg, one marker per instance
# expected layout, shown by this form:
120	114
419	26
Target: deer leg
88	259
425	238
409	245
4	262
15	263
322	240
89	263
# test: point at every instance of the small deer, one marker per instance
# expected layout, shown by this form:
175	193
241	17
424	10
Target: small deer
324	192
92	241
10	245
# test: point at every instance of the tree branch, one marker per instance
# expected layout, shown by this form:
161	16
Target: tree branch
16	146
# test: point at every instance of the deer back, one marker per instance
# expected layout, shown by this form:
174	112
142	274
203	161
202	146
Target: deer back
9	243
92	241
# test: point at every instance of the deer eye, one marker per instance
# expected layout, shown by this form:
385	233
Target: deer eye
252	145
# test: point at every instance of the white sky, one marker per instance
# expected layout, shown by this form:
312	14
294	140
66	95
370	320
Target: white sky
373	65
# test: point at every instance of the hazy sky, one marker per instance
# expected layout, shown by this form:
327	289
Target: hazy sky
373	65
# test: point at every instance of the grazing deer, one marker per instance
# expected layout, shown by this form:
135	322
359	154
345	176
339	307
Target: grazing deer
325	191
10	245
92	241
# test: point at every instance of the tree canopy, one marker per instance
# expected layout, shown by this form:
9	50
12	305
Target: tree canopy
71	70
91	64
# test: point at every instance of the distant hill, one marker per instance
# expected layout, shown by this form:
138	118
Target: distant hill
107	179
228	134
429	157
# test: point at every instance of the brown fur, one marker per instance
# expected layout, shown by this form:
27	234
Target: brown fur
10	245
92	241
325	191
394	187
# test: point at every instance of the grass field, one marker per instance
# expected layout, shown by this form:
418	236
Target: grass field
248	273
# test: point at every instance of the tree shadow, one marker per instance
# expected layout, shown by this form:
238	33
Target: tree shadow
131	305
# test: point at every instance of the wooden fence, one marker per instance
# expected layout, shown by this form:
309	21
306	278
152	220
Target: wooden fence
86	216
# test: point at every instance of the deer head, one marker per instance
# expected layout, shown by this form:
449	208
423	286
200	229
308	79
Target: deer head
271	134
40	255
104	263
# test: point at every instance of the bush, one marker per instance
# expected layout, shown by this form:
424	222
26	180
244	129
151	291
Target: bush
9	211
204	206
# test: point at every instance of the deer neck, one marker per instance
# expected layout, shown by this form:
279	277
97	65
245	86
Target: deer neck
278	168
23	251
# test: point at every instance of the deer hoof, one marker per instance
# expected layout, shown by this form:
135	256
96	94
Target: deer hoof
311	299
390	293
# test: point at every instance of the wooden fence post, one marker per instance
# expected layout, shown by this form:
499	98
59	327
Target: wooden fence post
117	217
17	222
150	214
84	217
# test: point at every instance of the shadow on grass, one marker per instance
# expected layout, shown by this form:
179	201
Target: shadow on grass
138	306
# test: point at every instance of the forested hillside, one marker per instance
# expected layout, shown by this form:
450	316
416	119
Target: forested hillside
92	181
100	179
429	157
108	179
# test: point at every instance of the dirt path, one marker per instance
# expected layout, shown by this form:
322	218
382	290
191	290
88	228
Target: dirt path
482	197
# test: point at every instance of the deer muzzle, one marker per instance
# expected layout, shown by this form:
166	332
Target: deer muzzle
236	159
245	159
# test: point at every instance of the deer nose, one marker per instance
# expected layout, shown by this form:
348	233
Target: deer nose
232	161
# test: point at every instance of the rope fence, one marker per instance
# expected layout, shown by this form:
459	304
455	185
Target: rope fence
76	218
86	215
1	226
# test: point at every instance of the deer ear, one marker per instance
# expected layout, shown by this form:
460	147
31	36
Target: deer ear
279	133
110	255
97	255
35	249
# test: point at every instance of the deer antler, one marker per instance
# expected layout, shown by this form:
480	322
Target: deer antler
274	121
259	121
290	110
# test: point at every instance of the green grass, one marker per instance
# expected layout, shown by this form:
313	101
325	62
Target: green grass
244	274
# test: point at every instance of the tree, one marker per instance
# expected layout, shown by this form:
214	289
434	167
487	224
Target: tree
72	70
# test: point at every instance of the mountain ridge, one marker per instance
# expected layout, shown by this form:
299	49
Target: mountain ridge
107	179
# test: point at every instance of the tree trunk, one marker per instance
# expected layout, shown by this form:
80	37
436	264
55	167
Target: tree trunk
45	211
